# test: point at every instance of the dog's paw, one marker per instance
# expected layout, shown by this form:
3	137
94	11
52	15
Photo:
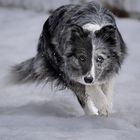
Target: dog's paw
104	111
90	108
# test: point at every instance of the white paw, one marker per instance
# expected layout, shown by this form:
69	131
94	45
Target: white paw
90	108
104	111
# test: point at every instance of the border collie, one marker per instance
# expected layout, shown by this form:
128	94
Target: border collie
80	48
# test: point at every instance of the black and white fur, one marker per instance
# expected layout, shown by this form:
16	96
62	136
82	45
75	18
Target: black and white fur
80	48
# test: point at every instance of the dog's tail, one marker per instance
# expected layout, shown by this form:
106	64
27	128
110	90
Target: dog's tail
31	70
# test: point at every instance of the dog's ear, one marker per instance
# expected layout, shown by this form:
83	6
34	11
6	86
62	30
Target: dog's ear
77	32
107	34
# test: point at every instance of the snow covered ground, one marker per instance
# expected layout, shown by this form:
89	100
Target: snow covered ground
30	112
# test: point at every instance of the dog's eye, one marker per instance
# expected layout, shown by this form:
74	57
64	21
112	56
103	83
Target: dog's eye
100	59
82	58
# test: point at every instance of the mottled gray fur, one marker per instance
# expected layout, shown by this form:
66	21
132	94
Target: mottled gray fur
82	59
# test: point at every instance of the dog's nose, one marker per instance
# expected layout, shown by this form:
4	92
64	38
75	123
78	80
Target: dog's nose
88	79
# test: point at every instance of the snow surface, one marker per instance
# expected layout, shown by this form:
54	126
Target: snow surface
30	112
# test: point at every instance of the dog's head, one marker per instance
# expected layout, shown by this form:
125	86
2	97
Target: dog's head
92	56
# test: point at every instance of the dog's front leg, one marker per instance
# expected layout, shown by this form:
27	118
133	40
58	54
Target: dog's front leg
90	108
84	99
99	98
107	88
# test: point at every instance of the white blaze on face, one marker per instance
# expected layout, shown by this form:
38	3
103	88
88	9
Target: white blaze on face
92	28
92	71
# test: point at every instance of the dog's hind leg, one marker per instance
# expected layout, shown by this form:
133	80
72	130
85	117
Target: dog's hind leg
84	99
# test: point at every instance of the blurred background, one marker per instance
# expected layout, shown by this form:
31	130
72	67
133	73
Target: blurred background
31	112
121	8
